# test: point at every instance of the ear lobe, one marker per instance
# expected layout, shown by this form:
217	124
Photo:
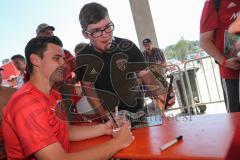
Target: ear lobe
36	60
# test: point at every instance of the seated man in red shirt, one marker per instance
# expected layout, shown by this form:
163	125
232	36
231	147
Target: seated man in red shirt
32	126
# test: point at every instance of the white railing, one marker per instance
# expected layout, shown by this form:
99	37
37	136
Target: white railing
197	84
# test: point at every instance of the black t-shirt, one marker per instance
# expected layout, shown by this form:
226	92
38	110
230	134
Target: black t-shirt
114	71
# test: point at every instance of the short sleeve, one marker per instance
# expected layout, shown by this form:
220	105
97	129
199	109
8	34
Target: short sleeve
32	126
209	18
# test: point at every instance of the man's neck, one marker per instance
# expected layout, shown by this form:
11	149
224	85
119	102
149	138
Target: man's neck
41	84
149	52
99	51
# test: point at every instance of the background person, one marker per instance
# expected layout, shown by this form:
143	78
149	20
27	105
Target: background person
157	64
214	22
20	63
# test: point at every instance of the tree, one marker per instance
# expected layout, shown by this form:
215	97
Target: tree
181	49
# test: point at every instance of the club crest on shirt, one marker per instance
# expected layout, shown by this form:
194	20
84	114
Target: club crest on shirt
121	64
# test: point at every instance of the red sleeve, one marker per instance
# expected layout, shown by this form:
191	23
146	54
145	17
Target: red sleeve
209	18
32	126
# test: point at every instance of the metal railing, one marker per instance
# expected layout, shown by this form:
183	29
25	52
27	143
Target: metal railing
207	82
197	84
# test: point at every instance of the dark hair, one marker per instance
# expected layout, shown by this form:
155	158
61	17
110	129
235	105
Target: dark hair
37	46
92	13
18	56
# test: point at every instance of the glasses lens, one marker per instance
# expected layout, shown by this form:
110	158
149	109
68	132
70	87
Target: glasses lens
109	28
97	34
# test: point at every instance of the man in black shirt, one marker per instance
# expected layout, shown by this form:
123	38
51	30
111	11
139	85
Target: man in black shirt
110	67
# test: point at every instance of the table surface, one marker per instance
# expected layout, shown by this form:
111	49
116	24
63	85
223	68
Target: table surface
204	137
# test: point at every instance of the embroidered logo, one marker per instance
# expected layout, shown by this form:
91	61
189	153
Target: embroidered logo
232	4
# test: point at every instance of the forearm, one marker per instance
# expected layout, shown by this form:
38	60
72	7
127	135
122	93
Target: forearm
206	43
100	152
92	97
154	86
77	133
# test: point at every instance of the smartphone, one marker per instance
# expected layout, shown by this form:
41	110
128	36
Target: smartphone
168	92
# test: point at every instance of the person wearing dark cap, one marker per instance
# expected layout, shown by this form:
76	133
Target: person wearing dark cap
45	30
153	54
156	62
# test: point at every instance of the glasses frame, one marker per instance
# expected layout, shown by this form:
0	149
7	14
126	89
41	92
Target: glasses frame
102	30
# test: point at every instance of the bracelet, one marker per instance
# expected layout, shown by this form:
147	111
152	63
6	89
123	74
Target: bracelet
224	62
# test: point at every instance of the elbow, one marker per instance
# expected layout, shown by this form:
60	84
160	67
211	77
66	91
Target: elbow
201	42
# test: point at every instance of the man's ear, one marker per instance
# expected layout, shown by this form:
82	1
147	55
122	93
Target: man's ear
85	34
35	59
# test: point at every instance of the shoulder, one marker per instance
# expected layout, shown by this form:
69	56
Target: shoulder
123	43
86	50
24	100
209	17
157	49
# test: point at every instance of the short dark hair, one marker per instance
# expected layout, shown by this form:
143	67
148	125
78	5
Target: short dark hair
92	13
18	56
37	46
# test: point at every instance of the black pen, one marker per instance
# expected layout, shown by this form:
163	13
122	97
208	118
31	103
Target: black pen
111	115
168	92
170	143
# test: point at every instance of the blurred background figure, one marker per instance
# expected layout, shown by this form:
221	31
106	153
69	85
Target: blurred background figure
156	62
20	63
45	30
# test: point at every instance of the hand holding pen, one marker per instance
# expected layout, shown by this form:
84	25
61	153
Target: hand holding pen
170	94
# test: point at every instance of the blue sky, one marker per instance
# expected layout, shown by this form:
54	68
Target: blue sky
19	20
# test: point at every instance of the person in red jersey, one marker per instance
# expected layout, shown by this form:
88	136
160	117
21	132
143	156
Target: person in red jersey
33	127
215	20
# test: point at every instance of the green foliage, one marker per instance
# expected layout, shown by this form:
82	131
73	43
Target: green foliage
181	49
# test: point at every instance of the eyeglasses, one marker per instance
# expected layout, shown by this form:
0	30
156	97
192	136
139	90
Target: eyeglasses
98	33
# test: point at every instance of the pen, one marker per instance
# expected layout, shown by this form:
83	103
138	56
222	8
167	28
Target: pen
168	92
116	111
109	111
170	143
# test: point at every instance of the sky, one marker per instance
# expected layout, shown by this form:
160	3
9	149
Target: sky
173	19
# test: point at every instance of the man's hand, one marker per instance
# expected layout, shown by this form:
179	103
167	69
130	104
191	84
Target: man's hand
233	63
124	136
107	128
171	101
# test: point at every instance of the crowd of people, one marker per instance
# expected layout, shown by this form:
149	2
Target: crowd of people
112	72
36	115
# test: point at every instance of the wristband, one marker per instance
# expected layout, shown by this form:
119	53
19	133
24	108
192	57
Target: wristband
224	62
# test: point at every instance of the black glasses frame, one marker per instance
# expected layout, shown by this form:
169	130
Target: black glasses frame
93	34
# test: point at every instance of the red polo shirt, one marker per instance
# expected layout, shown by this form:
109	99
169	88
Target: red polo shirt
30	123
220	21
